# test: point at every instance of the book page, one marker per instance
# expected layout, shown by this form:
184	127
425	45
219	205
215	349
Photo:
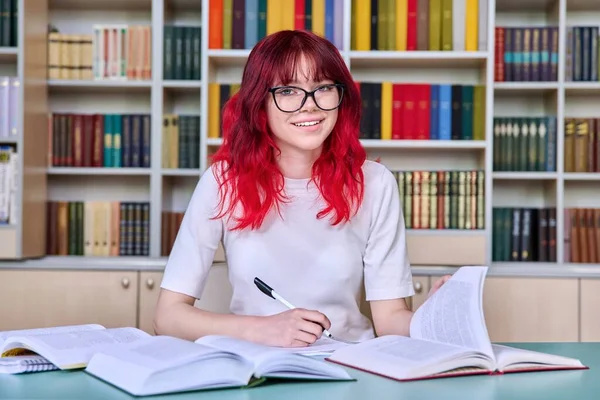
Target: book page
275	361
403	357
73	349
323	346
164	364
44	331
454	314
515	358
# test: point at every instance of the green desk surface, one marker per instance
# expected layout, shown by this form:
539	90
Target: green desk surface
580	385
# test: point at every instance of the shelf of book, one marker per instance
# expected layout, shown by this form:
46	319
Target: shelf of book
170	96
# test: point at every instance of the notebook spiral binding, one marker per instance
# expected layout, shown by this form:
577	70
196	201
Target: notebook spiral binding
38	365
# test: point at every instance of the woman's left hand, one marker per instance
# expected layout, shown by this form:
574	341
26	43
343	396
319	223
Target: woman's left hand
438	284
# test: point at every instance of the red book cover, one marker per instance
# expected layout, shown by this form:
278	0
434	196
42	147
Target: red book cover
299	12
423	111
409	122
499	55
411	25
98	148
397	104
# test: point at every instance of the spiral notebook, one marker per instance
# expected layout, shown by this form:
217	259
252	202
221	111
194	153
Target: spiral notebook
25	364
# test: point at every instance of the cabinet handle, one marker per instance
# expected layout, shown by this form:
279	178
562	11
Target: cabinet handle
418	287
150	283
125	282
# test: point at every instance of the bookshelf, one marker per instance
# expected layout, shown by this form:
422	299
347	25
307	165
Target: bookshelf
20	236
168	188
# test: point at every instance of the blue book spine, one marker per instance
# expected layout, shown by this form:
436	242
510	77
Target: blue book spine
251	16
445	112
329	11
434	112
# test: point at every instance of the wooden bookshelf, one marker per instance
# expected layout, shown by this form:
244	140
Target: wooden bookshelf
169	189
27	61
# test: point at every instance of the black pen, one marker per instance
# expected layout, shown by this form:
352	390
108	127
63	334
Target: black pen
268	290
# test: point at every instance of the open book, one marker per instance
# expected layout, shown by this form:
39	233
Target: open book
62	347
448	337
165	364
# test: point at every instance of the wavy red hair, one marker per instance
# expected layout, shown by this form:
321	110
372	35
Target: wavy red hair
250	181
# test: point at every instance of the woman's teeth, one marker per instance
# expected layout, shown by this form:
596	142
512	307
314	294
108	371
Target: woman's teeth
311	123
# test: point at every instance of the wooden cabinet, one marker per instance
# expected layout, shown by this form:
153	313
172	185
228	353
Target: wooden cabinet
589	292
422	286
216	296
515	308
43	298
149	289
521	309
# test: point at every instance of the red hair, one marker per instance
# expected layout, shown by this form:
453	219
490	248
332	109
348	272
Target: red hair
250	181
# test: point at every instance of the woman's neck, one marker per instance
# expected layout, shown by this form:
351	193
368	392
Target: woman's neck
297	165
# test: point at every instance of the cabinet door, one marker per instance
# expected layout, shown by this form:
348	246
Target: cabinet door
422	285
531	309
590	310
215	298
38	298
149	289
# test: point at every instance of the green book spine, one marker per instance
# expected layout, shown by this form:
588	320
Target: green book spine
262	18
435	25
178	65
467	113
187	52
72	229
196	49
108	140
391	26
447	25
227	23
117	136
479	112
382	24
533	147
168	56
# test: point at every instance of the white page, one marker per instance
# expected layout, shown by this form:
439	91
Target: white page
275	361
323	346
45	331
506	355
403	357
74	348
163	364
454	314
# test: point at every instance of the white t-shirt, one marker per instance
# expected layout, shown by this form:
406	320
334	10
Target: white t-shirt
310	263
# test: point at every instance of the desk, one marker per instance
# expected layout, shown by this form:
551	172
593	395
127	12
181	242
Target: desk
580	385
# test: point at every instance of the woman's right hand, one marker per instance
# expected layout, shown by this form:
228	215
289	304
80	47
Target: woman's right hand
293	328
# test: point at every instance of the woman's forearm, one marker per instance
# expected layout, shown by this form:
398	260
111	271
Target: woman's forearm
188	322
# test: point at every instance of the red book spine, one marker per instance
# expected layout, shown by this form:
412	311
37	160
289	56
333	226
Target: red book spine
300	13
397	106
423	112
77	140
499	55
411	25
409	122
98	140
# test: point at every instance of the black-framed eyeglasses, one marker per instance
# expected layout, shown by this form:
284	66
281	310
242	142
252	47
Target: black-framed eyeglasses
292	98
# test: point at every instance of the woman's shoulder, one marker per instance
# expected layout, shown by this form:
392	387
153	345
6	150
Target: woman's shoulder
377	174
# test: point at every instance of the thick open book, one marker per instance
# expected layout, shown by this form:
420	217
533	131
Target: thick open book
165	364
448	337
64	347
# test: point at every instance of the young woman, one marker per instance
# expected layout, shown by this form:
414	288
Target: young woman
295	202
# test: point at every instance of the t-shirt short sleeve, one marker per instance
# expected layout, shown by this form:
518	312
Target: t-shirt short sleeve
197	241
387	270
